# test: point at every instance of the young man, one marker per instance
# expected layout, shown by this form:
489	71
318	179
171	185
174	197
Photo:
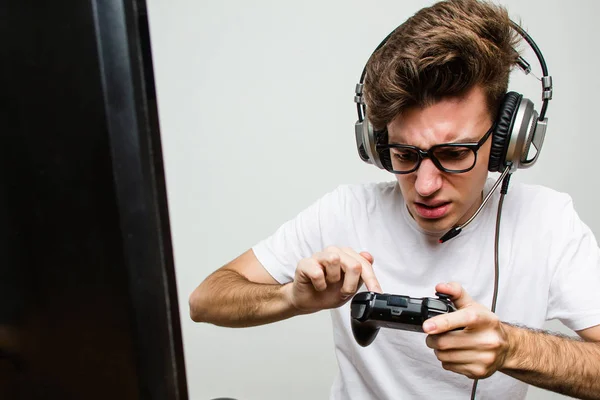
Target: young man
440	78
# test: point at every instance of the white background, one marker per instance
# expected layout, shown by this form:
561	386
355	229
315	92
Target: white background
257	120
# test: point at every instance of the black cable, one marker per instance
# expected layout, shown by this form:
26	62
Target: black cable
543	112
503	191
474	389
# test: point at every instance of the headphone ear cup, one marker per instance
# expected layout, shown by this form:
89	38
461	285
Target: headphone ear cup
366	142
503	131
381	137
361	146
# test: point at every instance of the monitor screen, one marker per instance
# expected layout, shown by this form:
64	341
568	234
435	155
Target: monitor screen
88	300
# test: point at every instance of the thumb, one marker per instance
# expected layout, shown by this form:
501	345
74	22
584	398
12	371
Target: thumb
367	256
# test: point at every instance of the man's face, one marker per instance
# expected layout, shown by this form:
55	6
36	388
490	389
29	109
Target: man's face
439	200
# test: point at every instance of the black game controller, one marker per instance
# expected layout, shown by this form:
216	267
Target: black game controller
370	311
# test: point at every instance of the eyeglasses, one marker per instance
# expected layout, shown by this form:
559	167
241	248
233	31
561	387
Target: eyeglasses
454	158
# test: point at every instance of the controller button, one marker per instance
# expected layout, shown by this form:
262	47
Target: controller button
397	301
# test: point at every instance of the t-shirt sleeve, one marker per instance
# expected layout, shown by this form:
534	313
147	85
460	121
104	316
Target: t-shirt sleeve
573	297
299	237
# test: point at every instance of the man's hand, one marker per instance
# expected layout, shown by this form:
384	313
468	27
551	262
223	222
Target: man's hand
329	278
478	350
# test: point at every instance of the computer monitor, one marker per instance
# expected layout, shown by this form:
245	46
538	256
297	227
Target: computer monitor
88	297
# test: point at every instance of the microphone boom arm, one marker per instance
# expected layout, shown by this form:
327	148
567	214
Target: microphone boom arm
457	229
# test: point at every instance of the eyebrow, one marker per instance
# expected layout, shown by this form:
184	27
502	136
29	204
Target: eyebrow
465	140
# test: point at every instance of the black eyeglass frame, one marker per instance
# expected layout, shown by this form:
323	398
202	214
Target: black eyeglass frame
422	154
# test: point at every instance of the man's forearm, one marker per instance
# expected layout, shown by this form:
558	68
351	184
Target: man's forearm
227	298
557	363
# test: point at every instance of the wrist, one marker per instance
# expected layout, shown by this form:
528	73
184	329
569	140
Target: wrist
512	334
291	298
287	292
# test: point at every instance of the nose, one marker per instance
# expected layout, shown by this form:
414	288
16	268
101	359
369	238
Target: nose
429	178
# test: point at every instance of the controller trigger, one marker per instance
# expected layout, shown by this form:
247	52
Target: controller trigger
443	296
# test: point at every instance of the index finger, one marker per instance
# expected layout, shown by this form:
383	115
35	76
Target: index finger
367	273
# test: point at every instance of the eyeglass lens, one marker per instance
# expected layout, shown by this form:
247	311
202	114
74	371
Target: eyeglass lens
452	158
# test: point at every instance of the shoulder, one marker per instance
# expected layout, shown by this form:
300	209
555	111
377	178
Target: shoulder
532	197
367	193
359	198
540	206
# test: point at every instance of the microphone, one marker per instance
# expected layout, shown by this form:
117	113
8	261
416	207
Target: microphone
457	229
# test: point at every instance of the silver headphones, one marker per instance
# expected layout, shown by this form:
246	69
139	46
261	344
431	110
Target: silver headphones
517	126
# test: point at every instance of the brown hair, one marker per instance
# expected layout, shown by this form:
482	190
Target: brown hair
441	51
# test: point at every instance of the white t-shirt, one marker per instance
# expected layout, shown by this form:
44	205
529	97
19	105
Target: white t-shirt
549	269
